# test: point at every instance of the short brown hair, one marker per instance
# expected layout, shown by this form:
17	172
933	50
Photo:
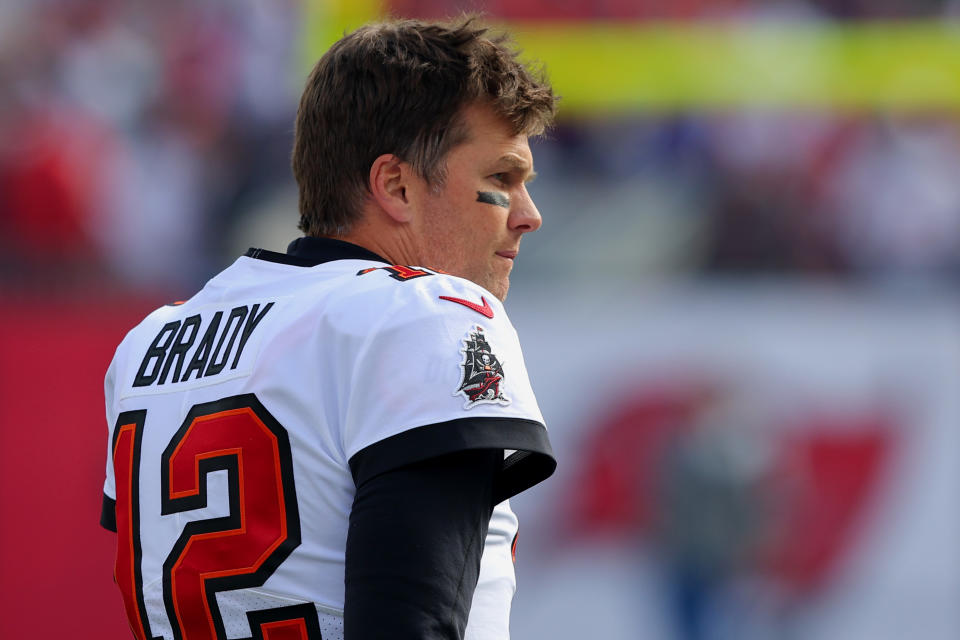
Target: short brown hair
399	87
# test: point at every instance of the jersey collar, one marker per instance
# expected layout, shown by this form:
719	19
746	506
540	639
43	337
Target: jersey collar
309	252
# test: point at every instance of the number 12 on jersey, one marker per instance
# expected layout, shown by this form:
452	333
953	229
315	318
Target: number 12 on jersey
241	550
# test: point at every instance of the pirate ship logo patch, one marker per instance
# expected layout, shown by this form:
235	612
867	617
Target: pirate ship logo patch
482	377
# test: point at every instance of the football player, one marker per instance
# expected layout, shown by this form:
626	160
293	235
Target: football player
322	443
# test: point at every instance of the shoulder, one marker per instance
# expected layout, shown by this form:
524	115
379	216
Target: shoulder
412	295
146	328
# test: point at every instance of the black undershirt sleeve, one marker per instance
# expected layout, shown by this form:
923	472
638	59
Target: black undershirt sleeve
414	544
108	513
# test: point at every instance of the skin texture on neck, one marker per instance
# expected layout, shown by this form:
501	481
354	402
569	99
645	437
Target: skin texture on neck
384	236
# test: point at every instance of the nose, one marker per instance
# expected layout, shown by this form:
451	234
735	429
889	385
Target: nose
524	216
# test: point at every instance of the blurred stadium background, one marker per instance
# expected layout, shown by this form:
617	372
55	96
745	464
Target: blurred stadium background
741	316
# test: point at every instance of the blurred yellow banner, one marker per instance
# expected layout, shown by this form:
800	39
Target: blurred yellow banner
626	67
622	67
326	21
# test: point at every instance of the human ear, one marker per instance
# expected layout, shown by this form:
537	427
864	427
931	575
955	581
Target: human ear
388	185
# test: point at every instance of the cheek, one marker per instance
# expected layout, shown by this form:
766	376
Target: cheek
450	236
465	230
466	221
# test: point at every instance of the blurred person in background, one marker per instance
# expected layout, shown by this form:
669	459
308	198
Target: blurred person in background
325	441
131	131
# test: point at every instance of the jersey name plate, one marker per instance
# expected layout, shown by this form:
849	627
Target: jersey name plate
210	345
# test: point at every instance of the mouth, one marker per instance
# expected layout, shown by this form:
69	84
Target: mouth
509	255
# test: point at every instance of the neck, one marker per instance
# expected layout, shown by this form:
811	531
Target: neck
385	237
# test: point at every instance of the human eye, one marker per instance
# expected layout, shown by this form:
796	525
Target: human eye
502	177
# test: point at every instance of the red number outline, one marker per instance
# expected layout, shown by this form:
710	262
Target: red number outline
238	435
127	438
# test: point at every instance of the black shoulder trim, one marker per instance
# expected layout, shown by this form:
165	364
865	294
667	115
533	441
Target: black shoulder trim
533	461
108	513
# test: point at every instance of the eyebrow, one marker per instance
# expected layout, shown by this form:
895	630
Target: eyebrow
517	163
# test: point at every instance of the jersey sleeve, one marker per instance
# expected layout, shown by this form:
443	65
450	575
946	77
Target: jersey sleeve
435	376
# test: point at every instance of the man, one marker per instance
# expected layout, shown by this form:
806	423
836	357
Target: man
322	443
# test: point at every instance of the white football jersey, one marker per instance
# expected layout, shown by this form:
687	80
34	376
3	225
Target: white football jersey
233	418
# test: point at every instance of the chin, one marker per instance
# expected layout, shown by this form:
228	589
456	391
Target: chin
496	285
499	290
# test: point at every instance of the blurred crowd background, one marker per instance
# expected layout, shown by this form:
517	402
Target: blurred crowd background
741	320
134	134
140	141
